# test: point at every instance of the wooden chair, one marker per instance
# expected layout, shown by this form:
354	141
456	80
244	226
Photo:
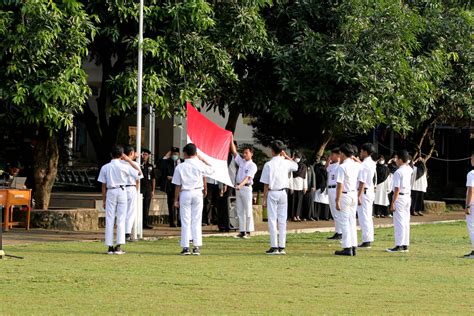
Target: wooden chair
21	198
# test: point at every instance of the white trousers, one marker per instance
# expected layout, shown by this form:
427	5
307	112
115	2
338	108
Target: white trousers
401	220
245	209
131	209
190	212
470	225
115	206
277	207
347	216
364	212
334	212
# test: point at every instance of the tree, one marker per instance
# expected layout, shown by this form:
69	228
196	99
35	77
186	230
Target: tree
346	67
189	53
42	44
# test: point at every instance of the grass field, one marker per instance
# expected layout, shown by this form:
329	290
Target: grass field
235	277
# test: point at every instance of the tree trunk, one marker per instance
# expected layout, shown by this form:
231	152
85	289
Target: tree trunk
232	120
46	158
326	138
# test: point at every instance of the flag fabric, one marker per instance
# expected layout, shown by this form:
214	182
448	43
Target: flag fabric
212	142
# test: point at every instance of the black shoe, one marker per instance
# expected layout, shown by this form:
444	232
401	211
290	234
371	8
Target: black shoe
147	227
344	252
128	237
118	250
395	249
240	235
282	251
404	249
196	251
111	250
469	255
185	252
420	214
414	214
336	236
354	251
273	251
366	245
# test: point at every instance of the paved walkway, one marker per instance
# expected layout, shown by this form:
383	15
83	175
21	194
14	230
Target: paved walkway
20	236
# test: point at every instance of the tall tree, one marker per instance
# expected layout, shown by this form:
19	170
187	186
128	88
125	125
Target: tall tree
42	44
189	53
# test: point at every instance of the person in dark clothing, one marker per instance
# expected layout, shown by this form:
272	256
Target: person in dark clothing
298	188
168	164
382	189
321	199
419	186
147	186
209	215
308	200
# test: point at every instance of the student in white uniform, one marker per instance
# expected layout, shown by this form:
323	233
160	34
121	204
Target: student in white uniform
470	207
419	185
243	188
401	202
114	178
275	180
131	188
346	199
332	166
367	175
189	180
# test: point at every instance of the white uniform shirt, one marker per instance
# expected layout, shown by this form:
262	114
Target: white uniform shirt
298	183
246	169
402	179
332	173
347	174
275	172
470	183
189	174
420	184
367	173
130	179
116	174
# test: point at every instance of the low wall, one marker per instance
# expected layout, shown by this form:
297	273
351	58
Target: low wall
80	219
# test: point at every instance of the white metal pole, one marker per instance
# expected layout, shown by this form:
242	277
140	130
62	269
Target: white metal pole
139	230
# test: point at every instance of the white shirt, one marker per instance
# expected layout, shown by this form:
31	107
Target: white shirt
470	179
189	174
116	174
246	169
402	179
130	179
275	172
332	173
347	174
367	173
420	184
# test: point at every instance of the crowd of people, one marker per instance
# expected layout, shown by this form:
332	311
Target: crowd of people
350	184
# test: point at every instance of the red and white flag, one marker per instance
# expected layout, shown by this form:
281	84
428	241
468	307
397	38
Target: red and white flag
212	142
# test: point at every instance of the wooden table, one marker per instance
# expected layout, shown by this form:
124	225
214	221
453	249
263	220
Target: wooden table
10	198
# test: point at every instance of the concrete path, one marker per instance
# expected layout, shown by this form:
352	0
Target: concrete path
20	236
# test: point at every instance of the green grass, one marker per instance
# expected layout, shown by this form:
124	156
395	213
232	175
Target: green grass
235	277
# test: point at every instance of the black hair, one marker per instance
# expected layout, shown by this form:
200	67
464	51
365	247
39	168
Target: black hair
127	149
381	157
403	155
297	154
368	147
277	146
190	150
174	150
116	152
146	150
355	150
336	150
347	149
249	148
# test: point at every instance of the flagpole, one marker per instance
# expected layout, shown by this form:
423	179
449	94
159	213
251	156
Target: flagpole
138	223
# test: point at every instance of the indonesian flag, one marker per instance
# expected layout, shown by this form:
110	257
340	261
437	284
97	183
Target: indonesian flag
212	142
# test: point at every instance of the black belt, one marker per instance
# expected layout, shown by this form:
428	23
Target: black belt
332	186
404	193
130	185
345	192
119	187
